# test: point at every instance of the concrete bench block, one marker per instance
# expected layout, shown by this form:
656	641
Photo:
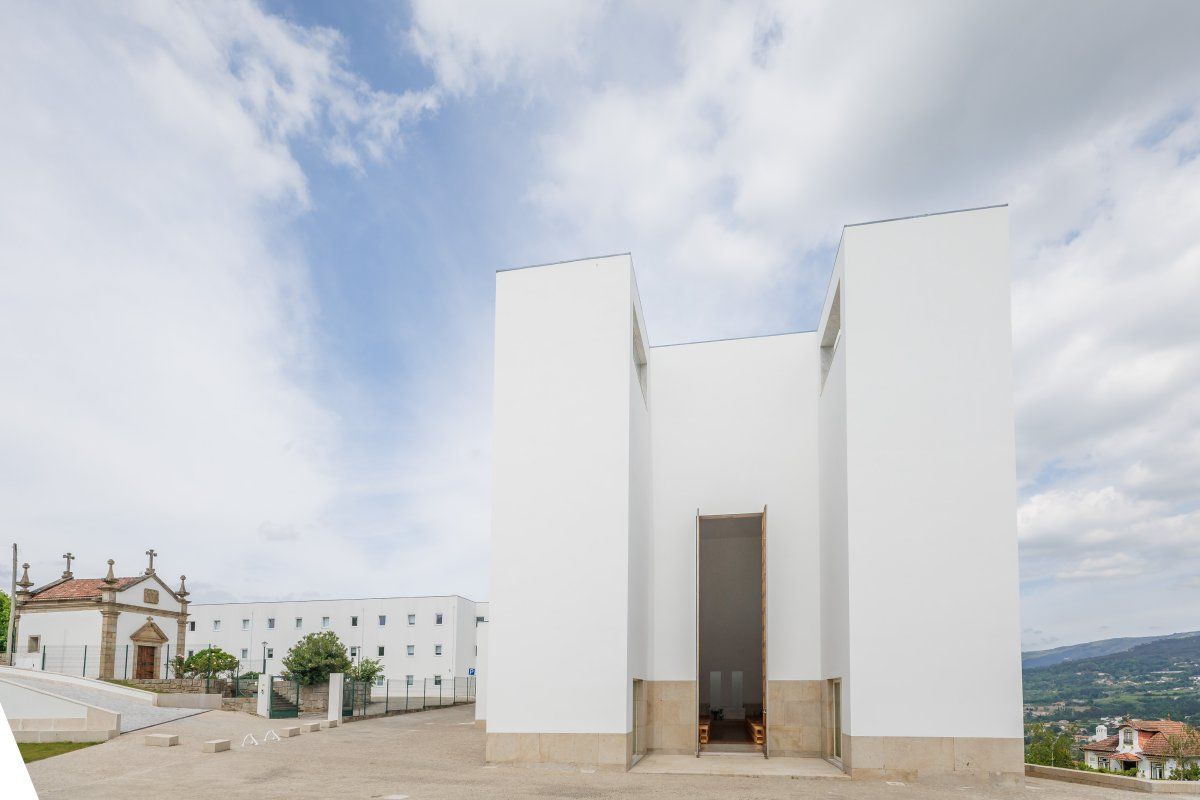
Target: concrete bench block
216	745
331	723
310	727
162	739
285	733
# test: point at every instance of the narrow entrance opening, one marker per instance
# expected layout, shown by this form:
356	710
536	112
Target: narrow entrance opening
731	616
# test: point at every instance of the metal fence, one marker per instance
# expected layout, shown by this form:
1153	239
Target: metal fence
84	660
385	697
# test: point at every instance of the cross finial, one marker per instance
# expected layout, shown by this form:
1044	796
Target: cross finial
110	578
69	556
183	592
152	554
25	583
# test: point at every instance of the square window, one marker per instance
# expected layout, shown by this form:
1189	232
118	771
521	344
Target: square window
324	622
35	643
216	624
380	649
437	619
383	619
191	653
408	680
191	624
270	622
437	680
412	619
245	624
245	653
299	622
412	650
354	622
270	652
380	681
437	649
354	652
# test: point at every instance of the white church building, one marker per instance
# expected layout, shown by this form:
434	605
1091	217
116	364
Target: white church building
794	545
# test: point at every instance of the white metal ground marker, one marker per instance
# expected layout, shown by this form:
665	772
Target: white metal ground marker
271	736
250	738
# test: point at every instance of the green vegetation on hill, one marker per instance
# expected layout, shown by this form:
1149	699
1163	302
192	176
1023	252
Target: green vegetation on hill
1150	681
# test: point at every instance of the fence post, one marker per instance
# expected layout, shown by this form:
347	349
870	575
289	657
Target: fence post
83	672
406	695
387	695
43	654
167	662
439	683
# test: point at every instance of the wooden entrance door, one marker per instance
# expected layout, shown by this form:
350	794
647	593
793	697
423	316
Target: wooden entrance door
144	666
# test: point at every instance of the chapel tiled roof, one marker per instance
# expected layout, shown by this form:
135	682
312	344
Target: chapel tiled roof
79	588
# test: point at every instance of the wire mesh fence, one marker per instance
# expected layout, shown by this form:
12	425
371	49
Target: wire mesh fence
399	696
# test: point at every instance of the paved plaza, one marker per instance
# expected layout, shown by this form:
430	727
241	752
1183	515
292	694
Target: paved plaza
424	756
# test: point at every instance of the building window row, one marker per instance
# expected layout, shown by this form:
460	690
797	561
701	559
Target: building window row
325	622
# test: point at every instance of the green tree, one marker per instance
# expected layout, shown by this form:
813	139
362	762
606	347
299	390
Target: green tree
209	663
1184	747
313	658
5	610
366	670
1047	747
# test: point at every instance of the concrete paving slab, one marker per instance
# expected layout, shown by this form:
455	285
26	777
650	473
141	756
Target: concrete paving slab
738	765
134	715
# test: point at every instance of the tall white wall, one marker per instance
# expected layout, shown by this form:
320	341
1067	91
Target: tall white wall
641	511
734	429
64	634
931	489
561	499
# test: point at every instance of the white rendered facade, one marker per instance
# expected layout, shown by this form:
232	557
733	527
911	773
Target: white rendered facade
444	648
882	447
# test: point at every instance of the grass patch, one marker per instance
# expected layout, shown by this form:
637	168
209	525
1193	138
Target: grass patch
36	751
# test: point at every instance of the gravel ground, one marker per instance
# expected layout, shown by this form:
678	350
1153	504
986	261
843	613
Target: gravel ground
422	756
134	715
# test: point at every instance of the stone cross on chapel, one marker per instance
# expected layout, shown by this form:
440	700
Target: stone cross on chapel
69	557
152	554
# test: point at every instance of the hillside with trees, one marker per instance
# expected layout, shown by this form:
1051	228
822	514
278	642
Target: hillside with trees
1155	680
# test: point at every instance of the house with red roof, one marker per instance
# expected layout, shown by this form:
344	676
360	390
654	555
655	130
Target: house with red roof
111	627
1155	748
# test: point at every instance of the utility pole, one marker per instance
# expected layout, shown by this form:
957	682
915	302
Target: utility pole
12	609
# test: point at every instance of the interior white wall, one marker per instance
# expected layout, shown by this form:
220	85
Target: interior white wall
561	499
731	606
641	513
932	548
734	429
835	587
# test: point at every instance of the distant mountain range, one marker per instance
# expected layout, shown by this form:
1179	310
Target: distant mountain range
1104	647
1150	677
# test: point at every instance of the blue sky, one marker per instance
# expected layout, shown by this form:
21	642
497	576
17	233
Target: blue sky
247	255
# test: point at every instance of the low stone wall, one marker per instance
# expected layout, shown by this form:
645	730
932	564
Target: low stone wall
315	697
183	685
247	705
1112	781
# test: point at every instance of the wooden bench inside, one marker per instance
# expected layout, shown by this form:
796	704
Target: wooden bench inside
757	730
705	723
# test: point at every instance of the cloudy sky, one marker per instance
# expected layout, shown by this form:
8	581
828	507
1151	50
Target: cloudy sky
246	258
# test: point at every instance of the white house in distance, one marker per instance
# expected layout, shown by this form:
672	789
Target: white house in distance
802	544
416	638
1154	747
110	627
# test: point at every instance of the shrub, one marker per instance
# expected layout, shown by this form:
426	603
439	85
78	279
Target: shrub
366	670
208	663
313	658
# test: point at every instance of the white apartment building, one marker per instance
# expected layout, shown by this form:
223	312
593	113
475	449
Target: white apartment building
802	544
415	637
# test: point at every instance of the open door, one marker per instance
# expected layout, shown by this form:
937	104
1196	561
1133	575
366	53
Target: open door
766	714
696	702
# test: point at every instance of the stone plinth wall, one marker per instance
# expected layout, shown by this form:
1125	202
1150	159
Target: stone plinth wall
183	685
248	705
671	716
794	718
607	751
315	697
929	758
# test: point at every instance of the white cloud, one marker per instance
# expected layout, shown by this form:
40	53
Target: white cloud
748	134
1118	565
155	320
